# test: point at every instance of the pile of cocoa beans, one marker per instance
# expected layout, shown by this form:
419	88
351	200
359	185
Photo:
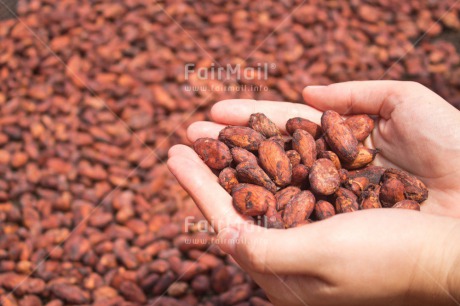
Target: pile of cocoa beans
311	174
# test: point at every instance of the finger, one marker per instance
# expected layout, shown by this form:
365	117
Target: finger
183	150
368	97
203	129
237	112
264	250
211	198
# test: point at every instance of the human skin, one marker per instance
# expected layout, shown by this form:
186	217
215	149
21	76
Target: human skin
372	257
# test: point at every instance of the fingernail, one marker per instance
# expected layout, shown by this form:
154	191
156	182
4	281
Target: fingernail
227	239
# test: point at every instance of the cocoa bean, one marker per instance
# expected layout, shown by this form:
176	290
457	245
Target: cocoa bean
324	177
391	192
303	124
241	155
275	162
299	208
294	157
370	197
228	179
408	204
414	189
260	123
284	196
243	137
339	136
253	174
252	200
304	143
323	210
360	125
214	153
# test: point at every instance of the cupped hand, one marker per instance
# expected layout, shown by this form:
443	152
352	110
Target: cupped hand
377	257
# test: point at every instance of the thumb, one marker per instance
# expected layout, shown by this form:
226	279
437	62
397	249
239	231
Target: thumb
363	97
263	250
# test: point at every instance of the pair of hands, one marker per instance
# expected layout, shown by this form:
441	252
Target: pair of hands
372	257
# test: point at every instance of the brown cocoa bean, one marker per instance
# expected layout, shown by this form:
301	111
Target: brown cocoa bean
300	175
241	155
321	145
346	201
299	208
414	189
391	192
228	179
304	143
252	200
332	157
294	157
303	124
357	185
260	123
408	204
373	173
339	136
243	137
284	196
324	177
214	153
275	162
370	197
284	141
360	125
365	157
323	210
251	173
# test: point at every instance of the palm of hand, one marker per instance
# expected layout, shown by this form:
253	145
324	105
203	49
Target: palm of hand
415	132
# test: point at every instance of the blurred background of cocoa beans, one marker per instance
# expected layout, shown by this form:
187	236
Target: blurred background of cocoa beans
92	95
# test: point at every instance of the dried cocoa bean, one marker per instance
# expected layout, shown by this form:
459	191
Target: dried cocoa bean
275	162
323	210
391	192
228	179
304	143
251	173
241	155
243	137
346	201
360	125
373	173
324	177
284	196
260	123
321	145
414	189
339	136
331	156
252	200
294	157
357	185
303	124
370	197
408	204
300	175
365	157
214	153
299	208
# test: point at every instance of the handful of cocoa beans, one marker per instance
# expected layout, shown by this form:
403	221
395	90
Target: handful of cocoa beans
311	174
